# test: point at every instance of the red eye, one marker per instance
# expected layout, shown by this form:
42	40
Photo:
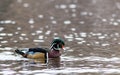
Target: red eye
62	46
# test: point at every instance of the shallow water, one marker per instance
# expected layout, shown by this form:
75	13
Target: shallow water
90	29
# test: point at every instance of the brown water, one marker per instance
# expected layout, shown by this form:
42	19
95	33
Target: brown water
90	28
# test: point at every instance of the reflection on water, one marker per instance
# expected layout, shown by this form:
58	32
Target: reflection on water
54	63
90	29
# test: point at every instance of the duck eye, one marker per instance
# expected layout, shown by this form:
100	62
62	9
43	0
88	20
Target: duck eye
60	45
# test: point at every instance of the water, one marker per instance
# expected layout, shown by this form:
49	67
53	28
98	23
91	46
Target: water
90	29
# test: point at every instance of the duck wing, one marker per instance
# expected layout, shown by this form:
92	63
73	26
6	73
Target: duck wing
38	50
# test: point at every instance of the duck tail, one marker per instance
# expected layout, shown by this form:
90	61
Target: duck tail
21	53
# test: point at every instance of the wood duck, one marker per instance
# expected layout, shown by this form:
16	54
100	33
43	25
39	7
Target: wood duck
43	53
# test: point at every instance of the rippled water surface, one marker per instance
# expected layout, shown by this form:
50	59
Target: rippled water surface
90	28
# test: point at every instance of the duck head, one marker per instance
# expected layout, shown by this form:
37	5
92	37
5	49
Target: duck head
57	44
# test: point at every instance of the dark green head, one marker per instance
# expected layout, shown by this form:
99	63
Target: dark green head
57	44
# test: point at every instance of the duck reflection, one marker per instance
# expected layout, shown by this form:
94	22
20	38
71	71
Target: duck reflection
54	63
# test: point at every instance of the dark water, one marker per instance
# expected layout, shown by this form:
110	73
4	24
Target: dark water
90	28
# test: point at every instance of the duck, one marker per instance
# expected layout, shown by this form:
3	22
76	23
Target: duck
55	51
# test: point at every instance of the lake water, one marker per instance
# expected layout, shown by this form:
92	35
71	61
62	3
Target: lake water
90	28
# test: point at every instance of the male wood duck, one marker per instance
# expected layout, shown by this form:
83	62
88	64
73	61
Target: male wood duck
36	53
